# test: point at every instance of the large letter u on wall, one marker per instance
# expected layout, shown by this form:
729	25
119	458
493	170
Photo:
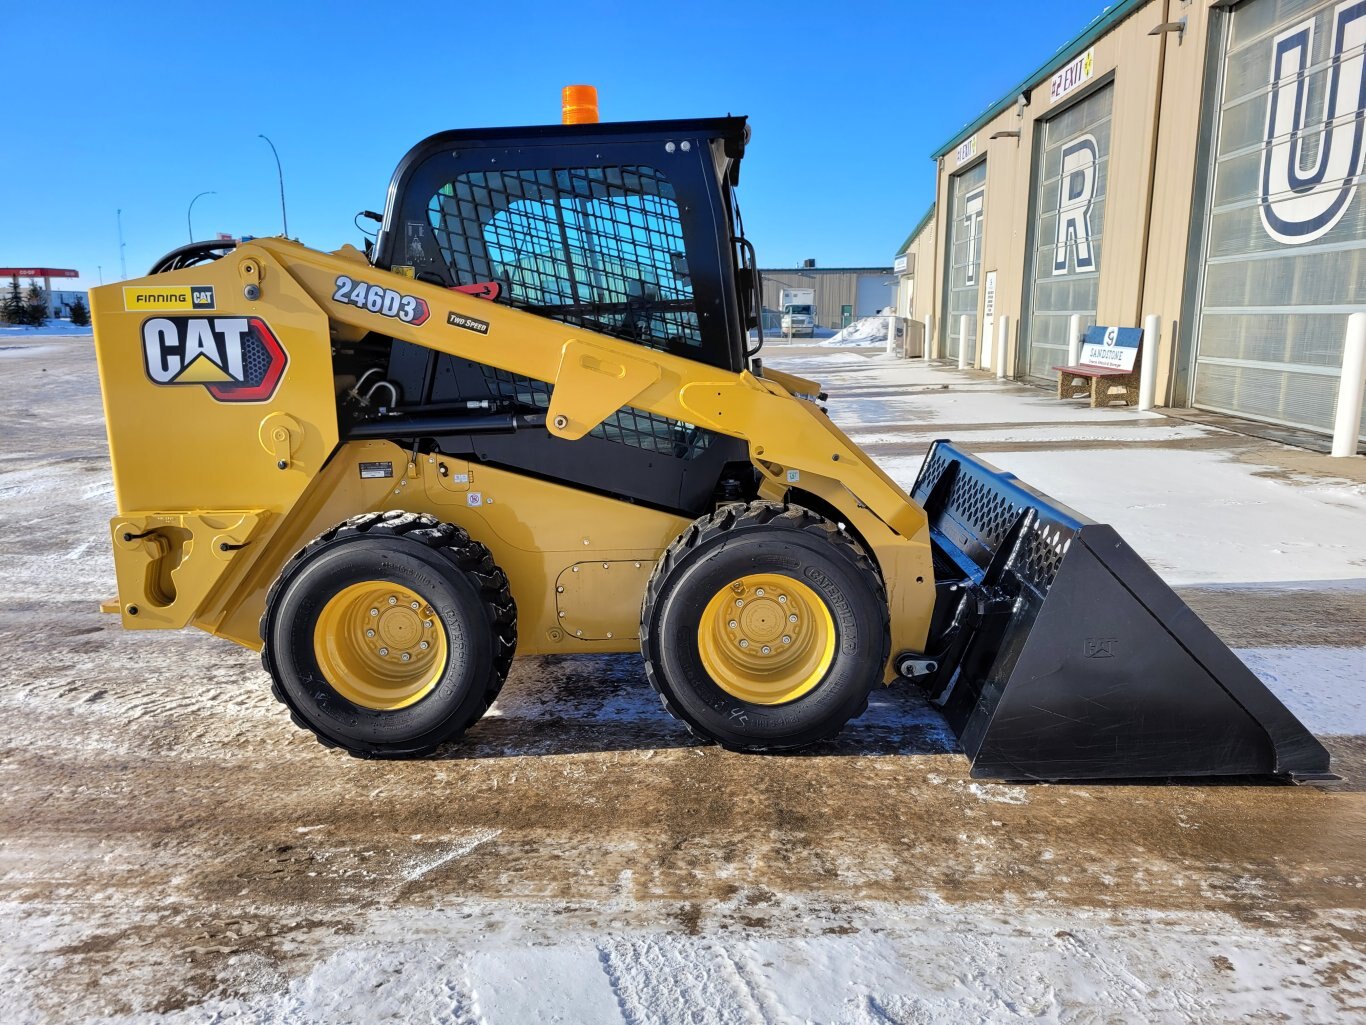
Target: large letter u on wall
1300	204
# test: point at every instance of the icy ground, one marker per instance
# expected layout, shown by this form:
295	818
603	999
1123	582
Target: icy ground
929	964
52	329
172	849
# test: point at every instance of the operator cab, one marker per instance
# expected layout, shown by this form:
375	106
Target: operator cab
628	229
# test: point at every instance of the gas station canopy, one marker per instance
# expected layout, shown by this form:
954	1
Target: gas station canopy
37	272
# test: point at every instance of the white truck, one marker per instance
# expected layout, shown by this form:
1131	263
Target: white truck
799	311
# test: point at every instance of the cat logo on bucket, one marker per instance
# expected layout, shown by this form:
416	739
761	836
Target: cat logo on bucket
237	359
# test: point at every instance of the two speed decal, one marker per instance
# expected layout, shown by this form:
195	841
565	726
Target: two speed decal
378	299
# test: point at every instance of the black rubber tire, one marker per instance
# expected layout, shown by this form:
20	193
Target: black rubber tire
764	537
455	573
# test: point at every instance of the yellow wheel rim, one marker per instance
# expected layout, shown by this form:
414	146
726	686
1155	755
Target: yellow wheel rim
380	645
766	639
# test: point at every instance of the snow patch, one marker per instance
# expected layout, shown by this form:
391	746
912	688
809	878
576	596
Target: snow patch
865	331
56	329
1120	434
998	794
931	962
1197	516
1322	686
459	849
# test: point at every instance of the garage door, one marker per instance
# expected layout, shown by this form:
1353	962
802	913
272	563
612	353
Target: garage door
1070	169
873	293
962	283
1284	240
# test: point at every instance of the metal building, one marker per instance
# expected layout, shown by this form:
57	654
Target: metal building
842	293
1195	160
915	253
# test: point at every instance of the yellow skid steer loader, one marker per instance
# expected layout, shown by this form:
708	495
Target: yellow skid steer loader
528	419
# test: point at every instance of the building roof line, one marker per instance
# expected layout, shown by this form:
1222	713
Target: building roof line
823	270
1099	25
920	226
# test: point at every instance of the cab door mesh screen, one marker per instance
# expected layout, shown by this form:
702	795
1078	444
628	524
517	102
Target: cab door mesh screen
598	247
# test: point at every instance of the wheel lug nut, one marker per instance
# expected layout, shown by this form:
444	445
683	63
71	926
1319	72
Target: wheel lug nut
384	652
766	649
739	602
759	592
787	639
733	624
792	619
782	599
405	656
374	612
369	633
415	605
744	643
393	600
428	624
424	645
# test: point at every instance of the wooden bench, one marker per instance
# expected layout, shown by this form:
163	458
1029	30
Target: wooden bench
1108	368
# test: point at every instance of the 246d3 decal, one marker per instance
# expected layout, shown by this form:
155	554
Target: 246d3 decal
237	359
378	299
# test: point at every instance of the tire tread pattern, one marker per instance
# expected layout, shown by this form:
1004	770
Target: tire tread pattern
466	555
725	520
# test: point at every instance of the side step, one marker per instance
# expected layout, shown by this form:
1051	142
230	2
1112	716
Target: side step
1067	657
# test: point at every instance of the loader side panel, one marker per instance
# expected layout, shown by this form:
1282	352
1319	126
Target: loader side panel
577	563
220	411
188	390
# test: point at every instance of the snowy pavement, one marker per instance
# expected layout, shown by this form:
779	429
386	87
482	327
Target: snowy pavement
52	329
173	850
1203	505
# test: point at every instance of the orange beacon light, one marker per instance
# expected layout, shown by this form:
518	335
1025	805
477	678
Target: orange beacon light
579	105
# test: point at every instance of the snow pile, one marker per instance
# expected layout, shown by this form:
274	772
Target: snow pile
866	331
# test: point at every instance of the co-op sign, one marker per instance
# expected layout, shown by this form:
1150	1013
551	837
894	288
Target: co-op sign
37	272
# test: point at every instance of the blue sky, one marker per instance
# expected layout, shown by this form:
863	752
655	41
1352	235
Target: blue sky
140	107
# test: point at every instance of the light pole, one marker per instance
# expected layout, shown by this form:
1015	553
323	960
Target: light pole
189	210
279	172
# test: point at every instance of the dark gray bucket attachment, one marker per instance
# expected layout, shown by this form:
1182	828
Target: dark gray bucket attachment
1064	656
